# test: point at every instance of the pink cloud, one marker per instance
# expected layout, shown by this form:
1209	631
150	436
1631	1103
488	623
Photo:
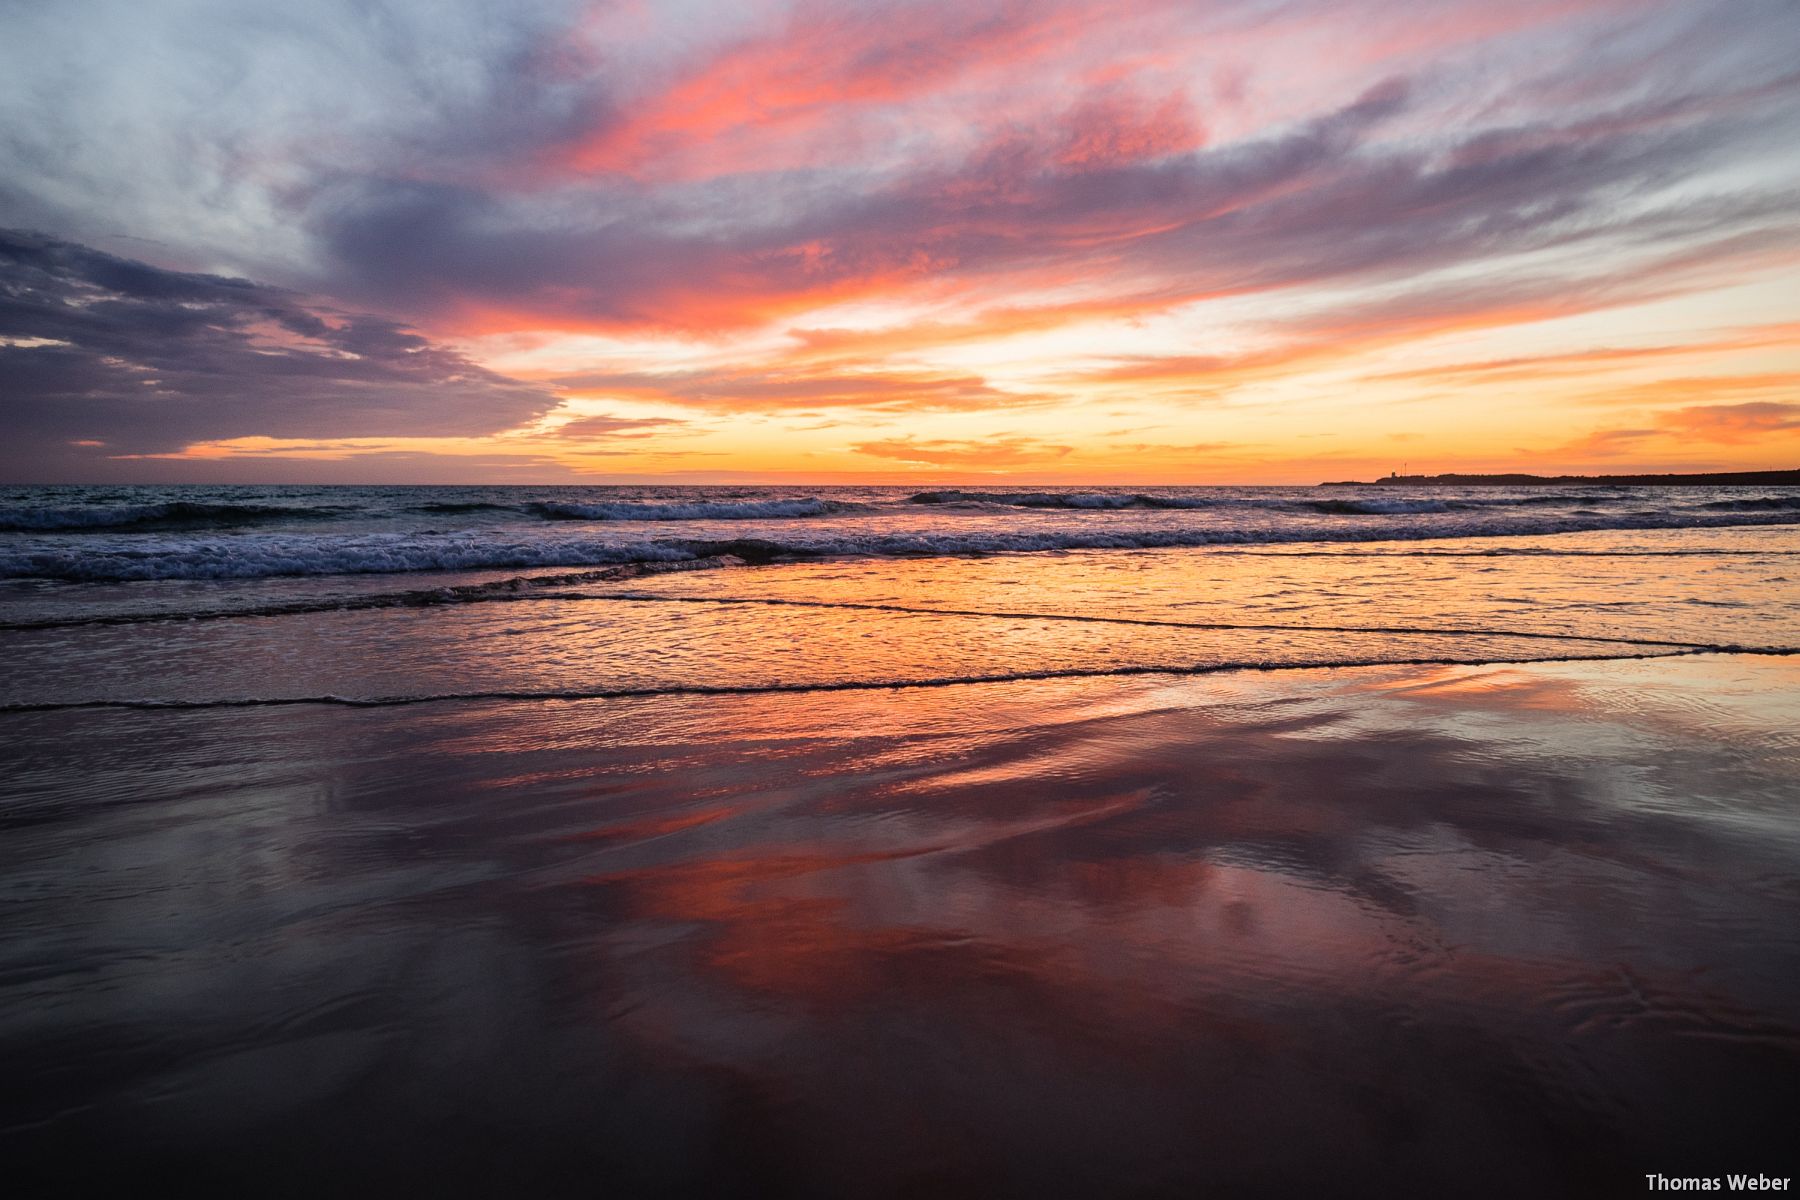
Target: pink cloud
1734	423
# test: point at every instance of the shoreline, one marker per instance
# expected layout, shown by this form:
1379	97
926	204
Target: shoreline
1088	929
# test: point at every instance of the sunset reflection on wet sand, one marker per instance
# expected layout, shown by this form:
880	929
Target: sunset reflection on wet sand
1520	929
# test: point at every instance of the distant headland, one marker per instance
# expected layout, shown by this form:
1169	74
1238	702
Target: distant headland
1714	479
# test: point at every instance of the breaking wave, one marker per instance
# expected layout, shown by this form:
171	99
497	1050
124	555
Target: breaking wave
745	510
1334	506
257	555
177	514
246	558
459	507
1092	501
1377	508
1756	504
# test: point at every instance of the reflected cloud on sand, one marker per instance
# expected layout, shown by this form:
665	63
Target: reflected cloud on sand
1058	936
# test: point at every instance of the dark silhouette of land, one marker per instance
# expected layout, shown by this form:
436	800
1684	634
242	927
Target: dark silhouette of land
1714	479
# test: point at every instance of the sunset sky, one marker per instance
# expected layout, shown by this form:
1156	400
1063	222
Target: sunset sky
692	241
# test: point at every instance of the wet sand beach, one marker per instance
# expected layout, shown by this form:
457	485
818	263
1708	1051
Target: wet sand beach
1507	930
1466	868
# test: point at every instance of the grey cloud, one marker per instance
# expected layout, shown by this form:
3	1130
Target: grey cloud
616	253
203	123
1328	201
388	153
104	349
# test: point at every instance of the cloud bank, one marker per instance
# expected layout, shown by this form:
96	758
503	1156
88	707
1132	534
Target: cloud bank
104	356
933	209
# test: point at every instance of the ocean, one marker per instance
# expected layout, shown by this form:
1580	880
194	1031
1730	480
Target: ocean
752	841
141	533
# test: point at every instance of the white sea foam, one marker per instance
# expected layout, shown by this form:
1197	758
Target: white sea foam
136	556
261	557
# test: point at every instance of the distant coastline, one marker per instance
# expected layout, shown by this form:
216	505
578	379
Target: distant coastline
1714	479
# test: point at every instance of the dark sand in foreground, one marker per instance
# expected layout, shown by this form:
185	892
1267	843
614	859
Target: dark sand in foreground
1511	930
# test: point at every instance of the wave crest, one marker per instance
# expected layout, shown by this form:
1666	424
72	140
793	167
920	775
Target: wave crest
262	555
703	510
176	514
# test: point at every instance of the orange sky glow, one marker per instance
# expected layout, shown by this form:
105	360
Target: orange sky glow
1112	243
